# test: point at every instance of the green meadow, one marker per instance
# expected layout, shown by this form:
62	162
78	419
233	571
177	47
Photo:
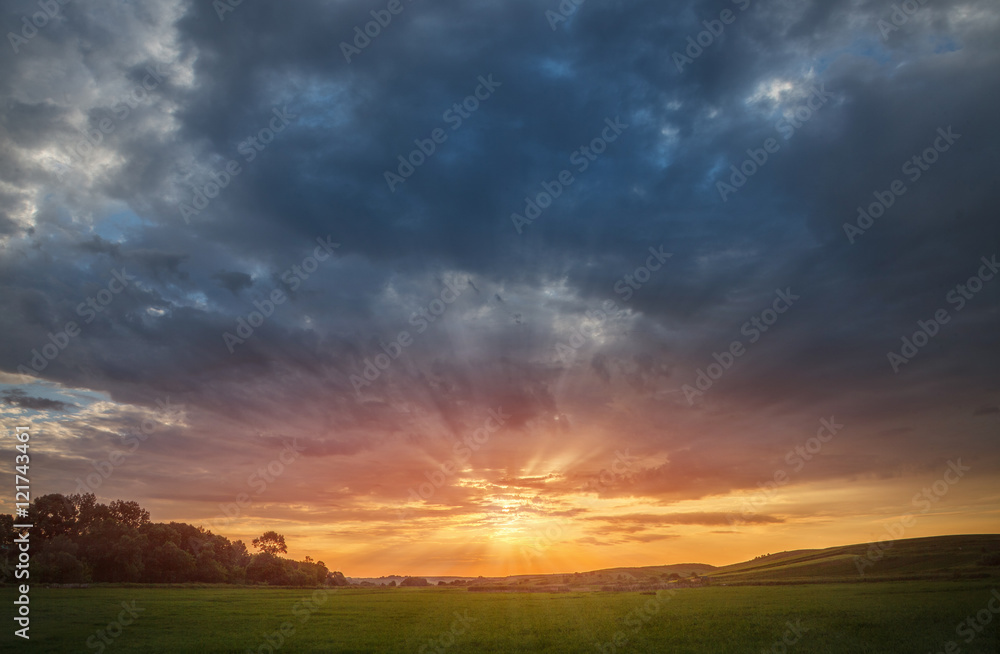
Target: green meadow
911	616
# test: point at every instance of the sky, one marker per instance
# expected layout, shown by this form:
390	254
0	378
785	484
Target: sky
489	288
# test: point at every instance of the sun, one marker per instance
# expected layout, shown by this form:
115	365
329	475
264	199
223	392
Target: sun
505	518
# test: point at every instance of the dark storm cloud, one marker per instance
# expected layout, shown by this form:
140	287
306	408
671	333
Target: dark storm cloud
234	282
656	185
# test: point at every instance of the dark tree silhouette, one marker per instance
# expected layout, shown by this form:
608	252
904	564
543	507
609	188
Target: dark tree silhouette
271	542
80	540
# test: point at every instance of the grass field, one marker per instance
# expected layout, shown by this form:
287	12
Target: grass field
913	617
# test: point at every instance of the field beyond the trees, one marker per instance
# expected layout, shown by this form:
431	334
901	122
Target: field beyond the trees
915	616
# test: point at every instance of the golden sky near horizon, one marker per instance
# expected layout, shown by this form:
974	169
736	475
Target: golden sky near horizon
534	497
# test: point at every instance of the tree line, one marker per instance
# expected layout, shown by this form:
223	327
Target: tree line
76	539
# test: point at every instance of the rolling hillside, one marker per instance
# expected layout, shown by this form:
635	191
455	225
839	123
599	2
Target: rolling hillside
940	557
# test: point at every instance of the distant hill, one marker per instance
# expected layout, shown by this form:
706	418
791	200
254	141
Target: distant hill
939	557
683	569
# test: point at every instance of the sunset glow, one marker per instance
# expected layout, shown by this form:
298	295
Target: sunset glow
499	293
